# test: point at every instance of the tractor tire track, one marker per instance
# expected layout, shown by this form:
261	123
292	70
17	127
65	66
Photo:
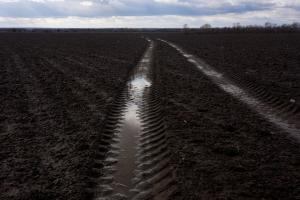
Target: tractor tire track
156	177
284	115
287	110
132	161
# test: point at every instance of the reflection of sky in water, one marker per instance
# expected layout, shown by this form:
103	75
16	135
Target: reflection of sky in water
126	164
131	115
206	70
140	83
146	60
131	127
231	89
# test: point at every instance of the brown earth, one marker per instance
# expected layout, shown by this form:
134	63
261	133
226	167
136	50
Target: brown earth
272	60
57	89
221	149
55	92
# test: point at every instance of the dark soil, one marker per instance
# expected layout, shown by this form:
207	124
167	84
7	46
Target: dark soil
268	59
55	93
221	149
57	89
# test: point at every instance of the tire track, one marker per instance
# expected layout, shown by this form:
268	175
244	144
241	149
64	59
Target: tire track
284	115
133	157
287	110
155	177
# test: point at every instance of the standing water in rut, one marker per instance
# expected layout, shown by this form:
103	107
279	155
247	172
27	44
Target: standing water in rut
137	165
131	127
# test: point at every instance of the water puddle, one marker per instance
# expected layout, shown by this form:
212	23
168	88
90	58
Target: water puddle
118	182
131	128
228	86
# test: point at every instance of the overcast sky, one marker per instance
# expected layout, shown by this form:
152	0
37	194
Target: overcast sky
145	13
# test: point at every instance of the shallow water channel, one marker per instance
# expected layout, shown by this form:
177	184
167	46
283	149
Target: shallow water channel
131	127
125	158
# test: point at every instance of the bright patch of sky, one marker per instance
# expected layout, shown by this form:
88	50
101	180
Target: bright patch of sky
145	13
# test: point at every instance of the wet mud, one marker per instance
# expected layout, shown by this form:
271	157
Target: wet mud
53	109
269	61
137	165
221	149
112	116
284	118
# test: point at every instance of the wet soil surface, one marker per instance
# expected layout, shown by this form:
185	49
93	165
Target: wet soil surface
55	93
283	115
126	135
221	149
137	160
62	98
268	59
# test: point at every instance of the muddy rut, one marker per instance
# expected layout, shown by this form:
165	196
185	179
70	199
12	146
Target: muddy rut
284	115
136	159
134	162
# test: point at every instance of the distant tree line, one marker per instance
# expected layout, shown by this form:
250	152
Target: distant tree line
205	28
237	27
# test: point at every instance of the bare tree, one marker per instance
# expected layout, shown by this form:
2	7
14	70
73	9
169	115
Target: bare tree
185	28
270	25
206	26
296	25
237	25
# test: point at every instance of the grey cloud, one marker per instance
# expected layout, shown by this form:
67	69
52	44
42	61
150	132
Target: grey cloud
105	8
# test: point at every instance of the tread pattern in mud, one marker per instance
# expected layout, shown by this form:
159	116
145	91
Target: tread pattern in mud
269	59
153	176
107	151
220	148
285	115
288	110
